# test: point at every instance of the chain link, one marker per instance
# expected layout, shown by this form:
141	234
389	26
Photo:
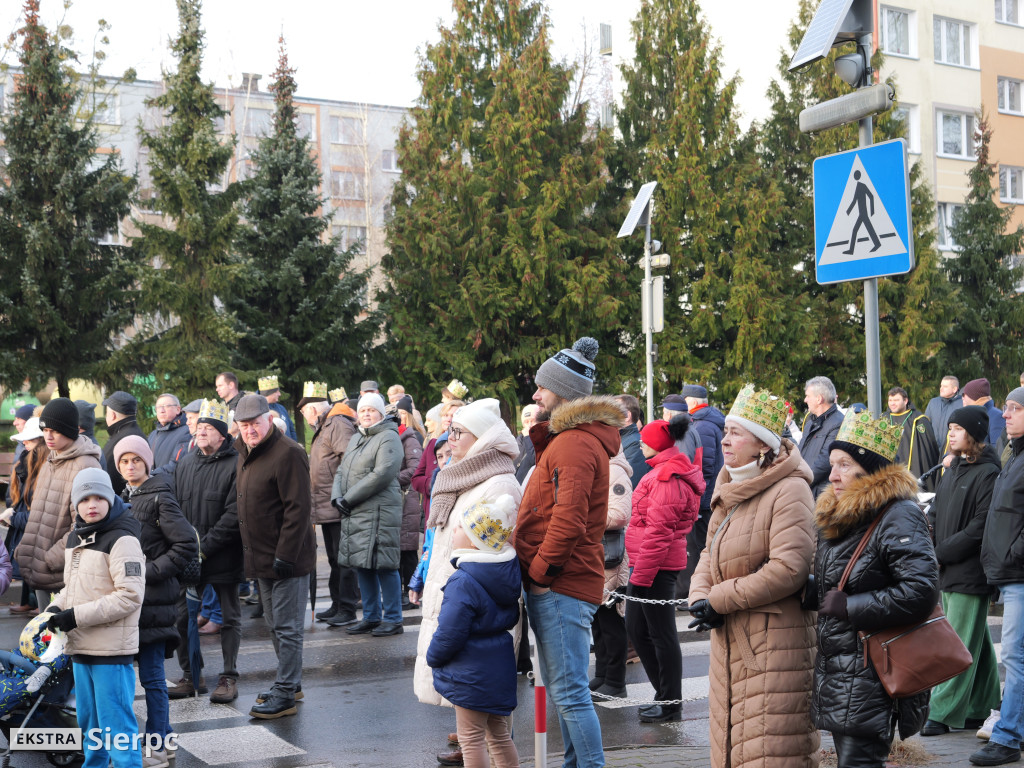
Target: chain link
633	598
641	702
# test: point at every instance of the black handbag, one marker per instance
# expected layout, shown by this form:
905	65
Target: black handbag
614	542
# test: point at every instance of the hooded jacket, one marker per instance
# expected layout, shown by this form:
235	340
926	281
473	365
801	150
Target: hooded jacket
412	504
564	509
472	652
709	423
895	581
958	516
118	432
1002	546
665	507
41	551
166	440
818	434
325	453
104	572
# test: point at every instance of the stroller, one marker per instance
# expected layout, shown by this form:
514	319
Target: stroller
36	683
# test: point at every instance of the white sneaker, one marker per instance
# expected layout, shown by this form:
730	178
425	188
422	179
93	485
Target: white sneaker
156	759
985	732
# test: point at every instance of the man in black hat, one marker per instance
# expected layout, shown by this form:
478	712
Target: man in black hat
121	409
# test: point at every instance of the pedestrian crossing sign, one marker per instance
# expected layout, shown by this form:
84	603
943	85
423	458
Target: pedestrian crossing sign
862	226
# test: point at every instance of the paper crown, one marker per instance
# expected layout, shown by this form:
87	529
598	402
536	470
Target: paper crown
316	390
213	409
760	407
879	436
458	389
337	395
267	383
490	523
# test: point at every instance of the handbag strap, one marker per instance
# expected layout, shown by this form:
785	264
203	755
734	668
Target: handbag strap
861	546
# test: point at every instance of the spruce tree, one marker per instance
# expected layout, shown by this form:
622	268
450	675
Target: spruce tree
63	296
733	311
189	338
499	255
301	308
986	339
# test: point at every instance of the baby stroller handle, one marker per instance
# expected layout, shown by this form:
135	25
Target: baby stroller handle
10	659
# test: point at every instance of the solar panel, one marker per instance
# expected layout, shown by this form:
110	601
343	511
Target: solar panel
637	209
834	21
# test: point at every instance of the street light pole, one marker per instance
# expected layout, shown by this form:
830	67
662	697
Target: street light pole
649	313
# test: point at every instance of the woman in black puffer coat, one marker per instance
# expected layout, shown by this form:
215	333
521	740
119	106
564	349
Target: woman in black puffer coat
169	543
895	581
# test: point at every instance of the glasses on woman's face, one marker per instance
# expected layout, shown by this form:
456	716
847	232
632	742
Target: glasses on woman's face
455	433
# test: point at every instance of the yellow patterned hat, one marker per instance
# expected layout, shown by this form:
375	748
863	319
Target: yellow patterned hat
268	384
876	435
489	524
761	413
313	392
337	395
458	389
213	410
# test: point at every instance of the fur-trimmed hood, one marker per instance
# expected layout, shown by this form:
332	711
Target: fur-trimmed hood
586	410
862	500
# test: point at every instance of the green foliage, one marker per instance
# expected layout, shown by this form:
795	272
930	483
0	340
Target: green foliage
301	308
986	339
499	254
63	297
188	338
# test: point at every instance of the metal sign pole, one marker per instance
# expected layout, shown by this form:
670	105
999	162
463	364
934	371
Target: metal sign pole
872	345
649	314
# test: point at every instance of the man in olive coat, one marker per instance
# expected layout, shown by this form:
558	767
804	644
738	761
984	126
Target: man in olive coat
278	545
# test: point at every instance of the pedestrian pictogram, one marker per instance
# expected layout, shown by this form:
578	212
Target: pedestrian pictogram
862	214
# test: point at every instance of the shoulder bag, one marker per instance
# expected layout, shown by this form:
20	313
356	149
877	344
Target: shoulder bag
614	541
911	658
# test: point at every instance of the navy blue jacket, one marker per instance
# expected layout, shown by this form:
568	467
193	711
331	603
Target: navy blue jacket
471	653
996	424
630	437
710	424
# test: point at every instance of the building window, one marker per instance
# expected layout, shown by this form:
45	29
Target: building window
105	108
899	31
347	185
909	116
1011	184
388	160
1008	11
956	135
304	124
948	214
346	130
1009	95
954	41
110	237
348	235
258	122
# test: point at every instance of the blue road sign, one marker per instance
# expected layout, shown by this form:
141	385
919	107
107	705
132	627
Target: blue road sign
862	214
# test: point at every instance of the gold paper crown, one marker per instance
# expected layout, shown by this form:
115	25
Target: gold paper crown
337	395
878	436
762	408
213	409
458	389
267	382
488	530
315	389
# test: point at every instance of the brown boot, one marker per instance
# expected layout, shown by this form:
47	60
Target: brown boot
226	690
451	758
453	738
183	688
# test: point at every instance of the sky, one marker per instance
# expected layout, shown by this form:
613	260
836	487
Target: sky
368	51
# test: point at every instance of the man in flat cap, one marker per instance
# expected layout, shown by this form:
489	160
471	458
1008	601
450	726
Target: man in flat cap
121	410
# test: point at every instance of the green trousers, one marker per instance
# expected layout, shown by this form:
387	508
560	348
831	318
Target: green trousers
975	691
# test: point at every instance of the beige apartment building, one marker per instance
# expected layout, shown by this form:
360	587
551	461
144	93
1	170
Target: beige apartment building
953	60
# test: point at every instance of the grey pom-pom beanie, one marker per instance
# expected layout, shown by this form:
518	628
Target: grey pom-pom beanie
570	373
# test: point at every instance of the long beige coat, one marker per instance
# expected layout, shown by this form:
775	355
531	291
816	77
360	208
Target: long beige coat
620	509
762	660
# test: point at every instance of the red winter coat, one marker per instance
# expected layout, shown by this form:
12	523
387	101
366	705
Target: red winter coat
665	506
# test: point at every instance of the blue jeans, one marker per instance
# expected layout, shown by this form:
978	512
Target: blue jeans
562	627
104	694
211	606
380	586
154	681
1010	730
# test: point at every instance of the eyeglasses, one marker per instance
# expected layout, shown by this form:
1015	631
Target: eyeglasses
1012	408
455	433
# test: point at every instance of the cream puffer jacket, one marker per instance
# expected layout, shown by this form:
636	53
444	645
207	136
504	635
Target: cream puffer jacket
620	509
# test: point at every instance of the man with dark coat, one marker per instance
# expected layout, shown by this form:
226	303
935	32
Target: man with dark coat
87	425
979	392
630	437
819	429
274	517
939	409
918	451
172	430
121	409
204	484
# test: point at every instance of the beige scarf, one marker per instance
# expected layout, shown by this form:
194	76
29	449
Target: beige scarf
463	475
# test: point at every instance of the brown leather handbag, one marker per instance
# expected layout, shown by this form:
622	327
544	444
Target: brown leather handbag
911	658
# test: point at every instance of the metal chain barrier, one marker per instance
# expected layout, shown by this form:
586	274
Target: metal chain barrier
649	601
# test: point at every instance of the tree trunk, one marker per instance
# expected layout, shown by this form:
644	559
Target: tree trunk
298	418
63	390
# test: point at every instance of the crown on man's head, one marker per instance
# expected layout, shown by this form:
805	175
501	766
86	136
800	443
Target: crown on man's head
337	395
267	383
213	409
315	389
879	436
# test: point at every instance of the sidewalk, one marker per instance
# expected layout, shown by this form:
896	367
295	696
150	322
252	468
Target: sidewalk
943	752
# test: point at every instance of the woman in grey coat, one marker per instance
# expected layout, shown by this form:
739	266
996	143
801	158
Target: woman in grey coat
367	495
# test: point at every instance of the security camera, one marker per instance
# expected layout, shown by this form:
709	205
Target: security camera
851	68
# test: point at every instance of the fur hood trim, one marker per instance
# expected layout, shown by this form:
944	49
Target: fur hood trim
585	410
862	500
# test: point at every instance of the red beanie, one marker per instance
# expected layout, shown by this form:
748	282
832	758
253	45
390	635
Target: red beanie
655	435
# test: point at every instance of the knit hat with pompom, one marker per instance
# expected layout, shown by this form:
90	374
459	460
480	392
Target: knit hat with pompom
570	373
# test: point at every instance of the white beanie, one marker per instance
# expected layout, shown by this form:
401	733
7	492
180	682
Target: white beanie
478	416
373	400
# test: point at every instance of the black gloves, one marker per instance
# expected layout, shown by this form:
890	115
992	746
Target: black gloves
64	621
834	604
705	617
343	507
283	569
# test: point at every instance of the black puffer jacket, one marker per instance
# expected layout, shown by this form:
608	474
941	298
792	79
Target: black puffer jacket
895	581
168	542
958	517
205	489
1002	548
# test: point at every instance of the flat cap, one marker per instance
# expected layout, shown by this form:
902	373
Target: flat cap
251	407
694	390
122	402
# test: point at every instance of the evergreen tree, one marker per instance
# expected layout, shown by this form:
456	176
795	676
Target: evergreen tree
498	254
189	338
300	307
986	339
63	296
733	310
914	309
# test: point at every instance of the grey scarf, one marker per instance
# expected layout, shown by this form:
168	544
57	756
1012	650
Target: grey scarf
463	475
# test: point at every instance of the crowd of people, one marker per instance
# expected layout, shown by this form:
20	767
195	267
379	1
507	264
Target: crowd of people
589	527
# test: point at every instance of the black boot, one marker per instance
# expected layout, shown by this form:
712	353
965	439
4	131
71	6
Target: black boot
332	611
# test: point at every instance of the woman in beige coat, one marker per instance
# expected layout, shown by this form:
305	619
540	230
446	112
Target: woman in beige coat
746	590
